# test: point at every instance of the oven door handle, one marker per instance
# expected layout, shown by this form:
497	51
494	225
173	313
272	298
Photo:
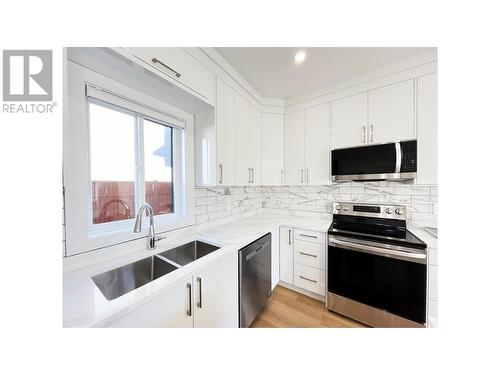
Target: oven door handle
403	255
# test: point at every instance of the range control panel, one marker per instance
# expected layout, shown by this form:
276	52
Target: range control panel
386	211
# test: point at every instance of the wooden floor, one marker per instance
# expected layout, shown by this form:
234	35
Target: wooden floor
289	309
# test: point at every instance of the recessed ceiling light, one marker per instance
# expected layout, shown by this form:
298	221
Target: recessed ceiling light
300	57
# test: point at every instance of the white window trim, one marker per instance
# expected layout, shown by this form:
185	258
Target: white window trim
80	237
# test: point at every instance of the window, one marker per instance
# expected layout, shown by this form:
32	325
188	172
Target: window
131	162
124	145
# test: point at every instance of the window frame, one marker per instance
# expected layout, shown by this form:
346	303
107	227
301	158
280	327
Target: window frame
79	238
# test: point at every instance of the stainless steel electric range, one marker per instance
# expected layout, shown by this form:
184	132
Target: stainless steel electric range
376	268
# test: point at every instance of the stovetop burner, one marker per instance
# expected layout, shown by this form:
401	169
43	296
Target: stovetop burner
374	222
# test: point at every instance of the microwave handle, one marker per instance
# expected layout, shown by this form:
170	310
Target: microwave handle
398	157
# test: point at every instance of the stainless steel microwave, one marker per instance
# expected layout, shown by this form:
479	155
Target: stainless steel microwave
384	161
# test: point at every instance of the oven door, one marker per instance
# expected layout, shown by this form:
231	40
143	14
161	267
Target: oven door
377	284
372	162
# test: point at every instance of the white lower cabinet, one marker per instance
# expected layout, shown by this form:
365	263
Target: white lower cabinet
216	295
303	259
170	309
286	254
206	299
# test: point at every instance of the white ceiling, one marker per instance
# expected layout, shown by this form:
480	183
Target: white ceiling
273	73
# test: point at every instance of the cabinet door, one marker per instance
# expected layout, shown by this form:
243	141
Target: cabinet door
216	295
225	118
427	129
286	255
391	113
178	64
294	148
349	121
242	141
272	149
317	145
169	309
255	145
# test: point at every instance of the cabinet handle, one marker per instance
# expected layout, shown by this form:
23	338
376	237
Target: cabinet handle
301	176
289	236
371	133
364	134
307	175
309	255
190	308
156	61
249	175
253	176
282	176
307	235
305	278
220	173
199	292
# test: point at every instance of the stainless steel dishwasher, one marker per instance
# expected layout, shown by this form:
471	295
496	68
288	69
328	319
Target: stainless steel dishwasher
255	278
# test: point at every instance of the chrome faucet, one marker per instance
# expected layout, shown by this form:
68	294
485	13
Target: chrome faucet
152	239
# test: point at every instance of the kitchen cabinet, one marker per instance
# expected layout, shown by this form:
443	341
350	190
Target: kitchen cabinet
303	259
225	124
208	298
317	145
272	149
391	113
294	148
255	145
427	129
169	309
286	254
386	114
243	173
216	295
349	121
179	65
307	147
247	142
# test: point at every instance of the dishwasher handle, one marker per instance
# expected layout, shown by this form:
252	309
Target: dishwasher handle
253	253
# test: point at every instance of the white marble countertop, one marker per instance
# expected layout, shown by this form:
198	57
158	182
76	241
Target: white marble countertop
85	306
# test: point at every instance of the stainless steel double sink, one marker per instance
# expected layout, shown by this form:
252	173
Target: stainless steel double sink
119	281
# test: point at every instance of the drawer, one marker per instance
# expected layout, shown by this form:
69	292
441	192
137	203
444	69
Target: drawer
309	278
309	235
309	254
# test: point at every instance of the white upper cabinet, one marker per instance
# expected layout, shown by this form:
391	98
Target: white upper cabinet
272	149
216	295
386	114
294	148
255	145
225	119
317	145
427	98
391	113
179	65
350	121
242	141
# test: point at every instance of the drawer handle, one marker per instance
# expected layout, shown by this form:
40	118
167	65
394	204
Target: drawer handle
305	278
307	235
309	255
156	61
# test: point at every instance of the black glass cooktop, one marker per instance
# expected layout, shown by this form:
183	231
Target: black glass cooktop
389	231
